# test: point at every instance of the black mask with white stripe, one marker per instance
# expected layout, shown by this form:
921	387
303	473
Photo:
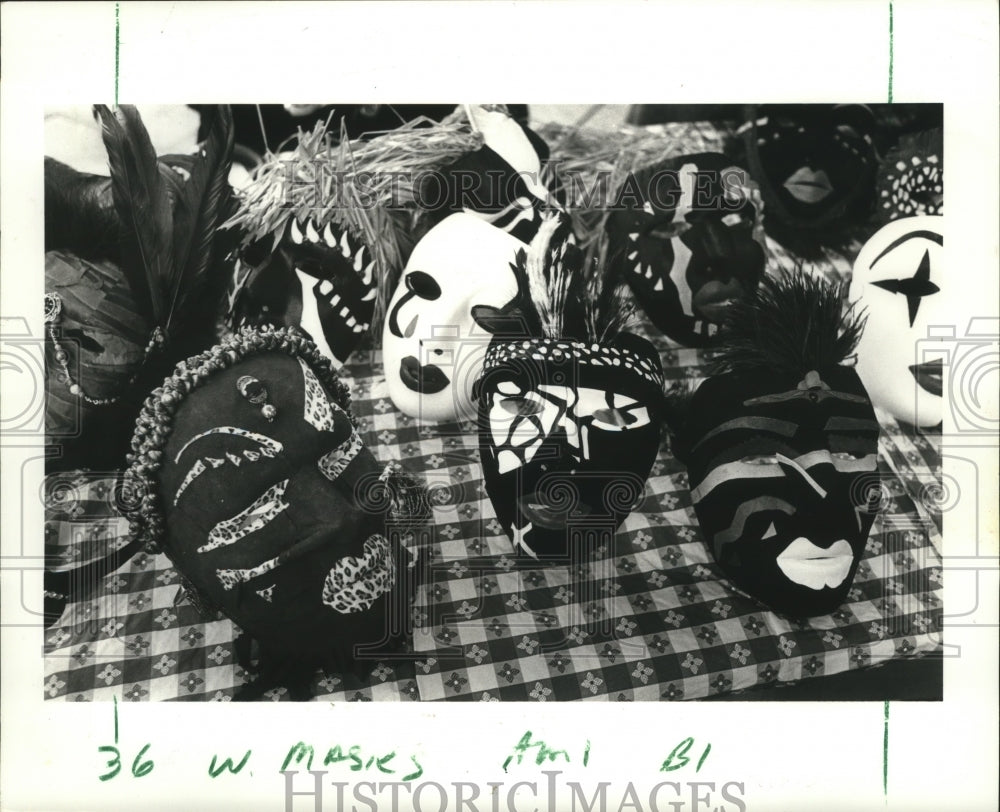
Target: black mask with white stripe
320	279
687	237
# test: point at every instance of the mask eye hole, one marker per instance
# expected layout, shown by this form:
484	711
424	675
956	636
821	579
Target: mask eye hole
667	231
761	459
520	406
423	285
771	532
613	418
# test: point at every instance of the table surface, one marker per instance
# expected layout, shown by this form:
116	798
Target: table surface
647	617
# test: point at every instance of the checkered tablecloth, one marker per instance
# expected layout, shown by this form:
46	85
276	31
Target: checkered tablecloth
646	616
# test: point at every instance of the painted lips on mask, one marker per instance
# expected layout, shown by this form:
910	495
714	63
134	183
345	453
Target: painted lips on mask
928	376
427	379
713	298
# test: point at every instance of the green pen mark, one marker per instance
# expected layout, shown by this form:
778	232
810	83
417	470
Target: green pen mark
885	750
890	51
118	51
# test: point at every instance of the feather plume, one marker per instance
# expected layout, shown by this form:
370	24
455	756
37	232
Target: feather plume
198	210
794	323
569	296
143	207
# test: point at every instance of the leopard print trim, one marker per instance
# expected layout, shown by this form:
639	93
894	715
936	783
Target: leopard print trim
250	520
231	578
269	447
318	410
333	463
353	585
196	471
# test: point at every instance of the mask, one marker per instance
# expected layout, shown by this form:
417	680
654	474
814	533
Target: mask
911	178
898	278
687	237
265	498
129	269
438	322
501	182
779	459
815	163
568	434
321	278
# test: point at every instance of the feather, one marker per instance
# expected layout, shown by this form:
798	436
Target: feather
794	322
143	207
199	209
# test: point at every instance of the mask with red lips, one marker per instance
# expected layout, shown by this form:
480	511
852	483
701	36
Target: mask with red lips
569	418
687	236
262	493
781	447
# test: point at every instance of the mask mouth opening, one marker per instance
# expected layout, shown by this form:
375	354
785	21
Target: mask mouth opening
426	379
928	376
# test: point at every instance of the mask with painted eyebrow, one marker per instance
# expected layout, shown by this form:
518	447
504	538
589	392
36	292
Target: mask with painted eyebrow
900	278
794	467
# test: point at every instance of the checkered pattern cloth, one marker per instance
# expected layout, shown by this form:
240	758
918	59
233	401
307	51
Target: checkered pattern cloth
647	616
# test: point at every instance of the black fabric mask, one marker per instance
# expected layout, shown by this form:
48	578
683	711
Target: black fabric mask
687	237
779	468
815	164
568	433
271	505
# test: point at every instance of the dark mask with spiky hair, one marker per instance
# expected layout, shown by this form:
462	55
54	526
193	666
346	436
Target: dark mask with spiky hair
569	410
321	279
252	477
687	236
780	445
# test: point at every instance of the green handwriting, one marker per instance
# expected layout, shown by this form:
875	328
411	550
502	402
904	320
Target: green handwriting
678	756
302	752
544	752
140	767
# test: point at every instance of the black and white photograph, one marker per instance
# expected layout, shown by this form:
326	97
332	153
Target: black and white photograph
617	368
544	403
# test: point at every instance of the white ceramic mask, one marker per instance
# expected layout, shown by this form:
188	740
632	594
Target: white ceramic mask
899	278
432	345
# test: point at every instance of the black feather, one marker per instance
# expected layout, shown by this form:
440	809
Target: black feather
199	209
794	322
143	207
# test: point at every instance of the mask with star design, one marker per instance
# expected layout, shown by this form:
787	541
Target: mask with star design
899	279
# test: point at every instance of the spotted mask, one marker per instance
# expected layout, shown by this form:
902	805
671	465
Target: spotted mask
781	453
687	236
264	496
